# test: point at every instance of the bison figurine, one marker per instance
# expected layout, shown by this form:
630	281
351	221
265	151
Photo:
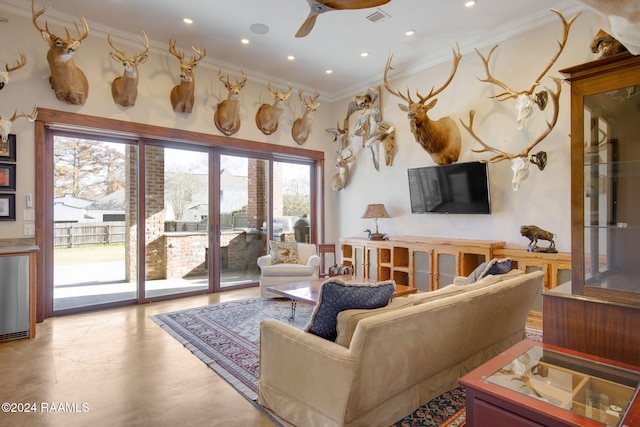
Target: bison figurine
535	233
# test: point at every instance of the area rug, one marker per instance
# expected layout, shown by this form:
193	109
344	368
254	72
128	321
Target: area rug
226	337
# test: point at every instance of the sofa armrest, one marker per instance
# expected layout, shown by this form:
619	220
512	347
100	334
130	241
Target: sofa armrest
264	260
314	260
299	371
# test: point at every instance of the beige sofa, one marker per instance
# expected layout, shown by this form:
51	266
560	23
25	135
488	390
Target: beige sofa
397	359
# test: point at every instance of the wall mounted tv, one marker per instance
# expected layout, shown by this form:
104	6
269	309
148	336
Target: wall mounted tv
458	188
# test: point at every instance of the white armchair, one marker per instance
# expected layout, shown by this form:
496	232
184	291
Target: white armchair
276	274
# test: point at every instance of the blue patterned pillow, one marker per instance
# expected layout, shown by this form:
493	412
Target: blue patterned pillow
495	266
336	295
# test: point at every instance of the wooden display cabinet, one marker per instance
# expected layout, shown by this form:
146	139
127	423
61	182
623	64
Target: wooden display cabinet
599	311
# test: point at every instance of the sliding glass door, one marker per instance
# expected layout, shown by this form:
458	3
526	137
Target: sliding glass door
176	233
94	239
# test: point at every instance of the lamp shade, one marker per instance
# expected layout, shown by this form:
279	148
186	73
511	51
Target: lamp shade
376	211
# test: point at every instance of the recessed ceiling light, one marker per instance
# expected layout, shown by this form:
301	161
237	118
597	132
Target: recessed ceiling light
244	41
364	54
291	57
329	71
409	32
470	3
187	21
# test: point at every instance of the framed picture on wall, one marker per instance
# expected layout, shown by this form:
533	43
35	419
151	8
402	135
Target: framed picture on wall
7	176
7	207
8	149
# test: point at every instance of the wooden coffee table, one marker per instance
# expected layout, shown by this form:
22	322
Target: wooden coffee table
308	290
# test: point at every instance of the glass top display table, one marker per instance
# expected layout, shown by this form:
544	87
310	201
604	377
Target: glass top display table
534	384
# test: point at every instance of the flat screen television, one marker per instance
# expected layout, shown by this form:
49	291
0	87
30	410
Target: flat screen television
458	188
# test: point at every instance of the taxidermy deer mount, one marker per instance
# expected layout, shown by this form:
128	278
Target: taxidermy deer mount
621	19
267	116
182	95
526	99
227	115
302	125
606	45
318	7
67	80
124	88
440	138
4	75
340	180
5	124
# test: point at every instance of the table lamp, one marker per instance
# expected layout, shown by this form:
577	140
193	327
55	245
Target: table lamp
376	211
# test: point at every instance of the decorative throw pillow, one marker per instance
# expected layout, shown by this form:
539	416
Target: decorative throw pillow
283	252
495	266
336	295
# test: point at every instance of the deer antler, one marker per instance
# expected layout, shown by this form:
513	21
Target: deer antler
81	35
19	64
199	54
31	117
503	155
123	54
388	86
457	56
510	93
174	52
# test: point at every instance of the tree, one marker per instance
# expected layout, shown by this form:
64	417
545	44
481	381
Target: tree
87	169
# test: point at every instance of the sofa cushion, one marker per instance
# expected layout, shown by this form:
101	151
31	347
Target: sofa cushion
491	279
347	320
336	295
422	297
495	266
283	252
289	270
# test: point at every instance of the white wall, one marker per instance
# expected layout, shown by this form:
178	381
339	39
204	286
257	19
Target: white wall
543	199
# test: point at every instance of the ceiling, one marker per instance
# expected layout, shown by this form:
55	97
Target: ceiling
336	42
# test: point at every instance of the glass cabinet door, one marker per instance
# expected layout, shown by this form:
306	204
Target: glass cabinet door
606	180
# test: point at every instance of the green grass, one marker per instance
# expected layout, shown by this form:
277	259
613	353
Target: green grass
89	254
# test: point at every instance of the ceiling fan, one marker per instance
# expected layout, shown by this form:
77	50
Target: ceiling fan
321	6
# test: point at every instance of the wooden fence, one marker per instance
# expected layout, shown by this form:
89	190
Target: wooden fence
75	234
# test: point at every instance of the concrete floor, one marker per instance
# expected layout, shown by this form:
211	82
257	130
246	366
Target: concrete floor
118	368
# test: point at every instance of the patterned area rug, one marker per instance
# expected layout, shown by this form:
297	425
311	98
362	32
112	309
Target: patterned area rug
226	337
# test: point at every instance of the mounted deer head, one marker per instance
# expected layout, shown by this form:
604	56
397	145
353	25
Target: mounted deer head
302	125
227	116
267	116
5	124
124	88
621	19
440	138
4	75
182	95
339	180
520	161
67	80
606	45
526	99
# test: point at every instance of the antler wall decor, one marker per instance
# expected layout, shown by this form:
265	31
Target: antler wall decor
520	161
440	138
526	99
5	123
4	75
67	80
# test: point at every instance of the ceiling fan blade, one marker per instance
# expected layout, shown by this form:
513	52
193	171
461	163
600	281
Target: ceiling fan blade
307	25
353	4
